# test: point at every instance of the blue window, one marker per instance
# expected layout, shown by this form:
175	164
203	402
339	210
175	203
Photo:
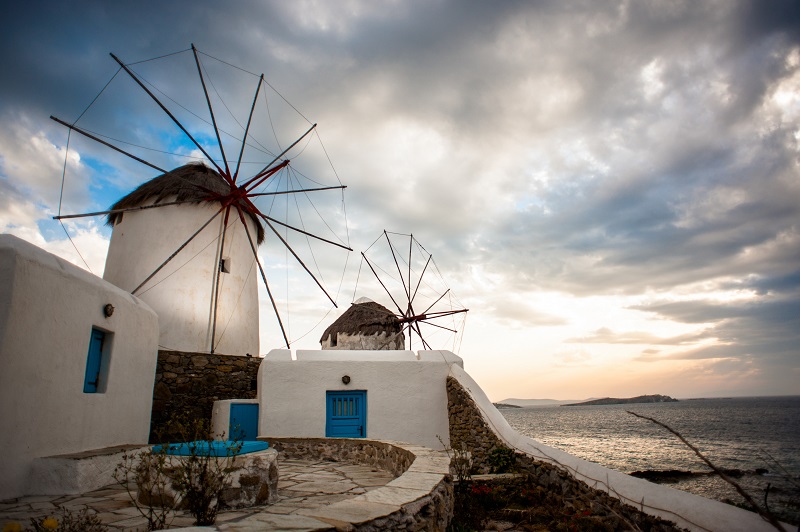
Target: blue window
346	414
94	361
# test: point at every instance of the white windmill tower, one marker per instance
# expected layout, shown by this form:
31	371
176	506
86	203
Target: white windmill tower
186	242
207	297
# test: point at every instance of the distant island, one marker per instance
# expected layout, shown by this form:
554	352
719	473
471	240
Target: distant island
505	405
524	403
632	400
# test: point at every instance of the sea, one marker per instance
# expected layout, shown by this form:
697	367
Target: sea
756	438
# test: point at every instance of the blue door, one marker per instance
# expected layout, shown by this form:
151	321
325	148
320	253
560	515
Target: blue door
91	379
244	422
346	414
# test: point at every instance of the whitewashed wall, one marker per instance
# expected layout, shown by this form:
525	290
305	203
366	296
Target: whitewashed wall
182	292
406	393
47	310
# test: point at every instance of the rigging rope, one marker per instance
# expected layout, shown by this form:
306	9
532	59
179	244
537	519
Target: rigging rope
159	57
265	81
76	247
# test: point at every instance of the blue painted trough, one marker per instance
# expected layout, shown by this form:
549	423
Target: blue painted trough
213	448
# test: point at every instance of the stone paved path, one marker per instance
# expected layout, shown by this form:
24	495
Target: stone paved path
302	485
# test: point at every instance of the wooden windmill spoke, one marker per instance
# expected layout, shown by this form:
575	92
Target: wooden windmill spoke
312	235
216	281
247	129
211	111
298	259
402	313
444	313
419	333
175	253
103	142
439	299
263	176
279	192
439	326
263	276
407	289
260	173
128	209
419	282
164	108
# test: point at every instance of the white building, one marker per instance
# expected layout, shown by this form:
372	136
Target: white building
77	362
383	395
207	294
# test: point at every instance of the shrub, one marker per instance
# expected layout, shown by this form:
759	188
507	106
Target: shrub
501	460
167	482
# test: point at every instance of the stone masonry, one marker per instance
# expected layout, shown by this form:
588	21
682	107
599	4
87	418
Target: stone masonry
468	429
189	383
553	486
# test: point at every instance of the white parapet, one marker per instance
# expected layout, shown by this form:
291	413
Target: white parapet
687	510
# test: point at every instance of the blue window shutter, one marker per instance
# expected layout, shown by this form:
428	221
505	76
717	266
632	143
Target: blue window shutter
93	359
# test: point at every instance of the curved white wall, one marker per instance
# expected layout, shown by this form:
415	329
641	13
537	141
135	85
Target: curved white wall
48	308
182	292
406	395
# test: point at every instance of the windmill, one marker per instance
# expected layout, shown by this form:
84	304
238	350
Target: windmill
187	241
410	279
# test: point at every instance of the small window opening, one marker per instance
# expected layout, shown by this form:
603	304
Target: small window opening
118	219
225	265
97	359
333	339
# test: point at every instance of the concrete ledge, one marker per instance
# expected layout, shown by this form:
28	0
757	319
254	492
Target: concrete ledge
424	485
70	474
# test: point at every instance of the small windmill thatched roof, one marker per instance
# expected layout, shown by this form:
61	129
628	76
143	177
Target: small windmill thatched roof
364	318
190	183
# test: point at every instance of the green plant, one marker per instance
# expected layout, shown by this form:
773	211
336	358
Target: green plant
501	460
460	460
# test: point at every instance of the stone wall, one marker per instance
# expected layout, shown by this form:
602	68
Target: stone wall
189	383
554	495
378	454
468	429
561	491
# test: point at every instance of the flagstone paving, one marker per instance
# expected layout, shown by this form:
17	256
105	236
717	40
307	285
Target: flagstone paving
304	485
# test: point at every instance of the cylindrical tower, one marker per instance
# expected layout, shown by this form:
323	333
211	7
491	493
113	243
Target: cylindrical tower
206	297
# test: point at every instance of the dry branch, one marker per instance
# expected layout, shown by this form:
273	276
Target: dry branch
765	514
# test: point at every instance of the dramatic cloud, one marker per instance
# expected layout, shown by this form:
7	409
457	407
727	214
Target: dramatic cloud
603	184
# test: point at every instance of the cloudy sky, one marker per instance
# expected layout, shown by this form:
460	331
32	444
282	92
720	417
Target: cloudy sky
611	188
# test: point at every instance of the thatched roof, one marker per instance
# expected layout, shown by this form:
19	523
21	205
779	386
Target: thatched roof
366	319
190	182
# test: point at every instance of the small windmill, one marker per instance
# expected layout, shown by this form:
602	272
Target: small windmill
422	302
207	213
